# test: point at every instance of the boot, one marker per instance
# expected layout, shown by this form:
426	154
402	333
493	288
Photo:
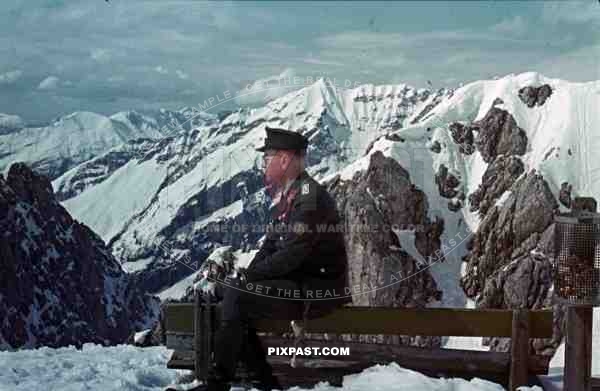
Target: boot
255	358
228	346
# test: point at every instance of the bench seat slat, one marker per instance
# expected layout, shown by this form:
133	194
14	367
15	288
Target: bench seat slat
392	321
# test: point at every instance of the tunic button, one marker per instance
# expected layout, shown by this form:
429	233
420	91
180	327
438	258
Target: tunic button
322	270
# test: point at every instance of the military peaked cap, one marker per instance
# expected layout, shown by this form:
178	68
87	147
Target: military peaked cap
283	139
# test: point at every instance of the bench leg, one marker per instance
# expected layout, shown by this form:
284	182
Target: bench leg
578	349
519	349
204	320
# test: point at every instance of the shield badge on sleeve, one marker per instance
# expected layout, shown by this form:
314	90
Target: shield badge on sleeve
305	189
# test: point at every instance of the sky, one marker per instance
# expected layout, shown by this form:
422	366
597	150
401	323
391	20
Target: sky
61	56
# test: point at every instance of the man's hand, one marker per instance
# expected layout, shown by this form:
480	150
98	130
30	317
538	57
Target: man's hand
213	270
241	274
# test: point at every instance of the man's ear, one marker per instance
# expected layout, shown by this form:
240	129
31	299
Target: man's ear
285	160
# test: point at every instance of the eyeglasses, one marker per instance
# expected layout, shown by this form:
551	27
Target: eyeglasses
266	159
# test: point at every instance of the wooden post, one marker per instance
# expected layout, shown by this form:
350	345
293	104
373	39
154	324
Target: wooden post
519	349
578	348
199	339
209	339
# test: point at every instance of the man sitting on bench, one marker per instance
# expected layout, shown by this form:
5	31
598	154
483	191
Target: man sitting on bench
299	272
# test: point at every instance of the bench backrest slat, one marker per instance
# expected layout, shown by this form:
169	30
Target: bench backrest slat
392	321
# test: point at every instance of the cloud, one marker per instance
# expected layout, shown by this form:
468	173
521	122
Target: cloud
182	75
100	55
162	70
579	64
574	12
49	83
164	53
268	88
514	26
10	77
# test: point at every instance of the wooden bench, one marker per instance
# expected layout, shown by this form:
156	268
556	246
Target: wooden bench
189	334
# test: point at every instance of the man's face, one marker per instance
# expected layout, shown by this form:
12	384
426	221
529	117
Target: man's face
275	165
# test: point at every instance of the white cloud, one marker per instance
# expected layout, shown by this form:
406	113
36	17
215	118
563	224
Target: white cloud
162	70
100	55
10	77
577	65
115	79
182	75
49	83
571	12
268	88
514	26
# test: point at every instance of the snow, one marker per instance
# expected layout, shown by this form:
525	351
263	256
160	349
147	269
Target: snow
78	136
406	238
126	367
554	380
229	211
500	201
94	367
141	335
135	266
392	377
178	290
104	207
243	259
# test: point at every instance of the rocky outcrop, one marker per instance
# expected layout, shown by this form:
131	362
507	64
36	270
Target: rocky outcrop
533	96
463	136
60	283
454	205
499	134
435	147
509	266
498	178
516	224
564	194
446	182
524	283
380	197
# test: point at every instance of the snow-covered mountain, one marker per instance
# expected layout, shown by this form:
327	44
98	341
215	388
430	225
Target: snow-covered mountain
188	184
70	140
475	175
10	123
60	283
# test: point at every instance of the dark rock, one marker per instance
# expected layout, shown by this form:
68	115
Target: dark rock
454	205
527	210
59	272
394	137
564	195
584	204
446	182
427	110
463	135
378	197
499	135
497	101
508	265
435	147
524	283
498	178
532	96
